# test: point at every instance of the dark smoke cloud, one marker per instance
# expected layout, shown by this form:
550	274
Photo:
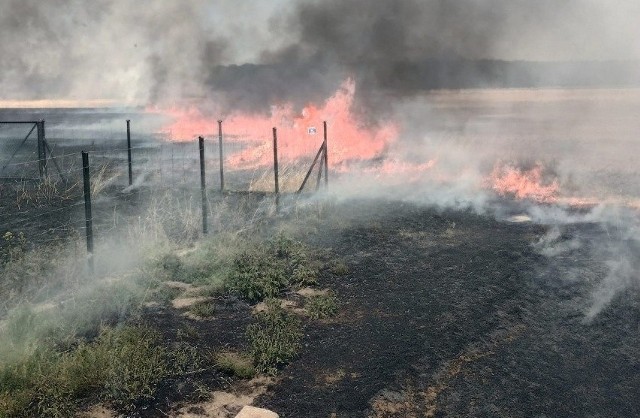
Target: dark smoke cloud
397	48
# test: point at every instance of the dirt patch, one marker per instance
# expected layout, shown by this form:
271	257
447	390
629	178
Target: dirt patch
310	292
288	304
185	302
98	411
226	404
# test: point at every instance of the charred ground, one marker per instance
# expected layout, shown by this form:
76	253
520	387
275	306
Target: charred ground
441	313
455	314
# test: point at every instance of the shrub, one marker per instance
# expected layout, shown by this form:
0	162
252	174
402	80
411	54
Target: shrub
137	363
269	269
322	306
236	364
124	364
274	339
256	276
203	309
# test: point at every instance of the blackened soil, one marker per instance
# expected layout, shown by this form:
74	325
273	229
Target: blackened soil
225	331
455	314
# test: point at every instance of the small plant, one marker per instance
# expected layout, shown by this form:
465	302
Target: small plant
235	364
185	358
256	276
339	268
137	363
274	339
203	309
322	306
13	247
124	365
187	332
268	270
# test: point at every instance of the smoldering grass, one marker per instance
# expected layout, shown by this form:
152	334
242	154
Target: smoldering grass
290	177
51	190
59	335
80	315
167	219
37	274
102	178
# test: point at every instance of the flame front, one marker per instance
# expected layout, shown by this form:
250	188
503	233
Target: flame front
300	134
508	180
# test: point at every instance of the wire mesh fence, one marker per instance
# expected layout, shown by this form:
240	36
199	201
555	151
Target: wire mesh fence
49	206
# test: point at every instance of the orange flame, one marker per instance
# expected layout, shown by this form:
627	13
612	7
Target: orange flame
508	180
299	134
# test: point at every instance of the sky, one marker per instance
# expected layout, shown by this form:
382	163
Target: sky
151	52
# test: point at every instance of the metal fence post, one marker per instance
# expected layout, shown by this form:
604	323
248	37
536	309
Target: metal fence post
221	156
41	151
129	152
326	158
87	209
275	167
203	188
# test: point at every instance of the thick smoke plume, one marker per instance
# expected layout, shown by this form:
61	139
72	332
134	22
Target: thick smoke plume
248	56
229	56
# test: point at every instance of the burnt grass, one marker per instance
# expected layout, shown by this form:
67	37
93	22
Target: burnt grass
455	314
224	332
441	313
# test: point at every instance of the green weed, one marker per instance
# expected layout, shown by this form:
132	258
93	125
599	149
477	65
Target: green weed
274	339
322	306
235	364
339	268
204	309
271	268
122	365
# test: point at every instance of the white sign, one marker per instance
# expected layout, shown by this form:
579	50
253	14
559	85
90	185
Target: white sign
312	130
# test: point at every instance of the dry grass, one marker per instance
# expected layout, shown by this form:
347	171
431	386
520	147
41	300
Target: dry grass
290	177
102	178
49	191
236	364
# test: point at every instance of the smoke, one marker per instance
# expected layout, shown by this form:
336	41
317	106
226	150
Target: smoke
250	56
232	56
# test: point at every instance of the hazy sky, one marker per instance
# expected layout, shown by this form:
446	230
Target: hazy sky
142	51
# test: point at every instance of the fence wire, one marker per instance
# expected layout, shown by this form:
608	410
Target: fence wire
48	207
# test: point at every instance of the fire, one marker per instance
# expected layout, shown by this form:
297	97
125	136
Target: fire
508	180
300	134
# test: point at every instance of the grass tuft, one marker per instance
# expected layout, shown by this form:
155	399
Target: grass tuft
274	339
267	270
322	306
235	364
203	309
123	365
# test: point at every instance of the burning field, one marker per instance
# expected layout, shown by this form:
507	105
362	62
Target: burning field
478	282
336	208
